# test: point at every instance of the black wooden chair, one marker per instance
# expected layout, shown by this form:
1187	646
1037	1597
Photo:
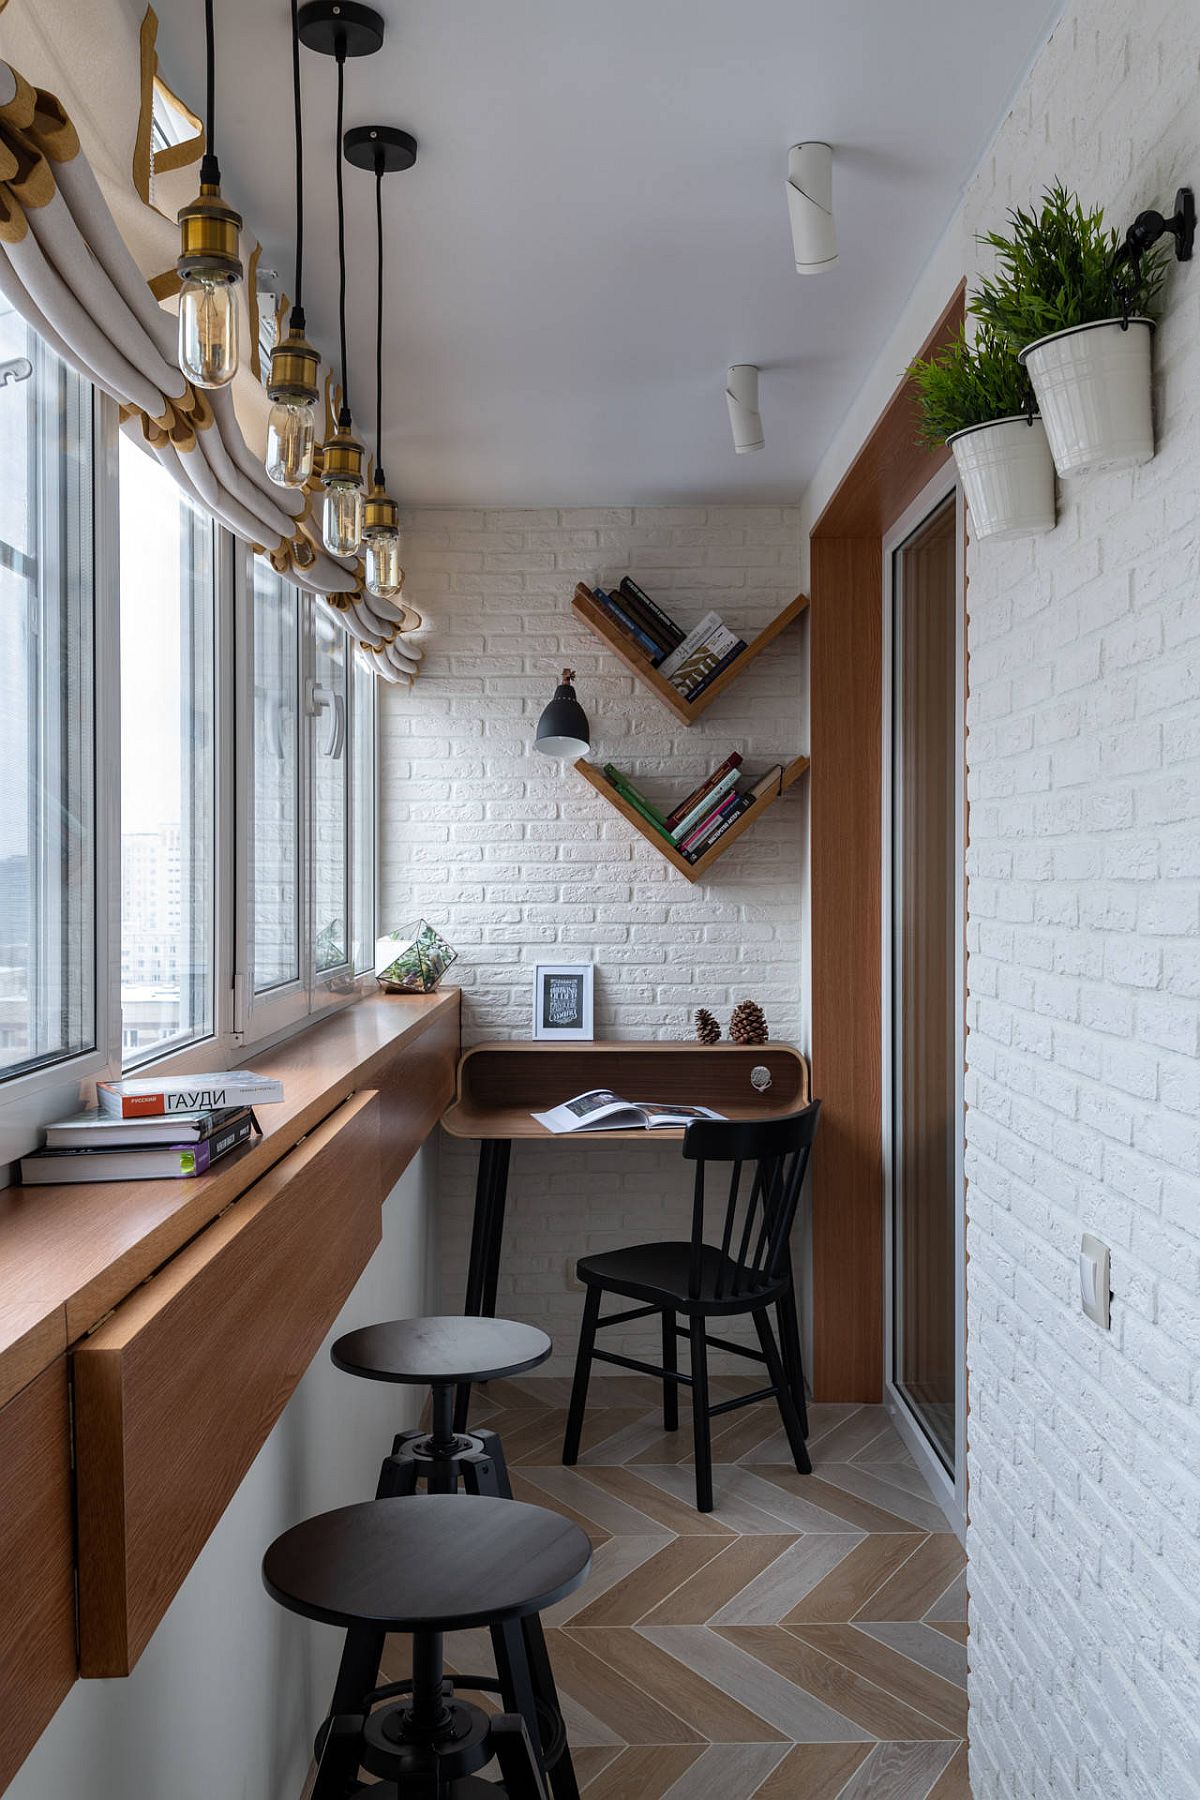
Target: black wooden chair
748	1271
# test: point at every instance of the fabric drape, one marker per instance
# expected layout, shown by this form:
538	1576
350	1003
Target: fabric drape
67	268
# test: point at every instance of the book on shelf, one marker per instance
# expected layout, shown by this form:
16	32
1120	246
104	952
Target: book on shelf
732	761
705	843
624	622
96	1130
768	783
719	668
602	1110
146	1098
633	797
709	643
704	807
138	1162
711	819
665	627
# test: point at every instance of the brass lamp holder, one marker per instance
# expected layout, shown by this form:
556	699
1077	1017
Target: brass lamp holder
295	368
342	454
209	230
380	512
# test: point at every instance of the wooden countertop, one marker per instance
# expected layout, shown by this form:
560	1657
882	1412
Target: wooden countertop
68	1254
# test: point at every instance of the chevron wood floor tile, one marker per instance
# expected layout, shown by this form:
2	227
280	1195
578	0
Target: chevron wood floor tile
898	1772
805	1641
848	1587
849	1508
814	1771
739	1564
673	1678
813	1669
924	1645
645	1772
652	1582
940	1700
920	1583
954	1782
725	1769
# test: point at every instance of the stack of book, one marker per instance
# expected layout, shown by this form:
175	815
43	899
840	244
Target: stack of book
169	1127
690	661
698	822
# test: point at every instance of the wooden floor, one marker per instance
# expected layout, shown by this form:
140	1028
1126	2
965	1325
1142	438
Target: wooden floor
806	1640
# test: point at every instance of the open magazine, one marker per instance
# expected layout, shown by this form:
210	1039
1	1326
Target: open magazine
602	1110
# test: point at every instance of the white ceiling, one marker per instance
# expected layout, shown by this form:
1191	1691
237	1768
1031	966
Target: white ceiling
597	225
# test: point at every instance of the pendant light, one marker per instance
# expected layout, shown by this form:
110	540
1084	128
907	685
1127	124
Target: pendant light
341	28
381	148
295	365
209	263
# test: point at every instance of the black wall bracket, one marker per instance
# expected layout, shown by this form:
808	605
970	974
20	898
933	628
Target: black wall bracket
1148	227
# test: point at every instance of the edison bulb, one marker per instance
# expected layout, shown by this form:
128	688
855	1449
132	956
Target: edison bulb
208	329
291	442
383	572
342	517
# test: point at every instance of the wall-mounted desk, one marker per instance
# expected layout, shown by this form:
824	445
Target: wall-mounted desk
501	1085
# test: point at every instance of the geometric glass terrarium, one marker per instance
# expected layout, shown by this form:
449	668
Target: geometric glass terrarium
412	962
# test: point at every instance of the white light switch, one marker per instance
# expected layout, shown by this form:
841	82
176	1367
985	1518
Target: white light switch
1093	1278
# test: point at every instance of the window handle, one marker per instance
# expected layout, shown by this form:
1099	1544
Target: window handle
318	699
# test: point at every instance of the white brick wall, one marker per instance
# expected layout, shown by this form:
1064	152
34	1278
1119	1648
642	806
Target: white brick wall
1084	1083
517	860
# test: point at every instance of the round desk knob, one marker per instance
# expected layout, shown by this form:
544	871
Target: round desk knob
760	1078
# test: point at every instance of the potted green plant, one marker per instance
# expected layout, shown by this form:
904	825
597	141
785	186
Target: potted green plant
1080	313
976	397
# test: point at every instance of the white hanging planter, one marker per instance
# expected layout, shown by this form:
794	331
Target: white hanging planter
1092	385
1008	477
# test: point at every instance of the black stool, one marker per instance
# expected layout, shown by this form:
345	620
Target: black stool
443	1354
428	1564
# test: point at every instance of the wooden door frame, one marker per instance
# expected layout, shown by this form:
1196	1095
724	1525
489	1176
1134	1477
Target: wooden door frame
846	677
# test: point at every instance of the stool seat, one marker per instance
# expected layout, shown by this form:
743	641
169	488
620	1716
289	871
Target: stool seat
427	1562
422	1352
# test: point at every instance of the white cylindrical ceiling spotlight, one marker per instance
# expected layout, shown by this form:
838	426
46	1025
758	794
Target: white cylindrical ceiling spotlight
741	397
810	203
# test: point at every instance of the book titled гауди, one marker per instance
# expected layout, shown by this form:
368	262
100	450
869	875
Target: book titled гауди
140	1099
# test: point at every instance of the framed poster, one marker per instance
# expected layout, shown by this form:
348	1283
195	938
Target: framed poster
562	1000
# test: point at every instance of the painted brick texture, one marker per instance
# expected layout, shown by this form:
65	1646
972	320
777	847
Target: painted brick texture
517	860
1084	1078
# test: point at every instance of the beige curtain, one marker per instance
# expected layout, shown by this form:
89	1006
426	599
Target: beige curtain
87	247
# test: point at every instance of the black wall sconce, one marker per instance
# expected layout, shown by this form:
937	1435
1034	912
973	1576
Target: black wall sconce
563	728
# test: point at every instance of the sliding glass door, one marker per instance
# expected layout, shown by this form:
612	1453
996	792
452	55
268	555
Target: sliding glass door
924	856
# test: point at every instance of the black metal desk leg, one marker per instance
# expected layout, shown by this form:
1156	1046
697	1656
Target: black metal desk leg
487	1229
491	1281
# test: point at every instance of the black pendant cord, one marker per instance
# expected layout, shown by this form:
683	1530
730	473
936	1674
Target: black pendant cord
298	302
344	414
379	475
210	172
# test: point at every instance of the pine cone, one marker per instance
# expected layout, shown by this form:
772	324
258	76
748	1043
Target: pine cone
707	1029
748	1024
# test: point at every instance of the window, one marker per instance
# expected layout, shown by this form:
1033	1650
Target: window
167	761
330	811
200	879
362	783
47	707
275	840
308	805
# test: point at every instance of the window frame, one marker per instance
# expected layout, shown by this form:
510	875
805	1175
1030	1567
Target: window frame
264	1017
32	1099
176	1056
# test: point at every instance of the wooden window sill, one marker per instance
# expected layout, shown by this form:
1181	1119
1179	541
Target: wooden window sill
69	1254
